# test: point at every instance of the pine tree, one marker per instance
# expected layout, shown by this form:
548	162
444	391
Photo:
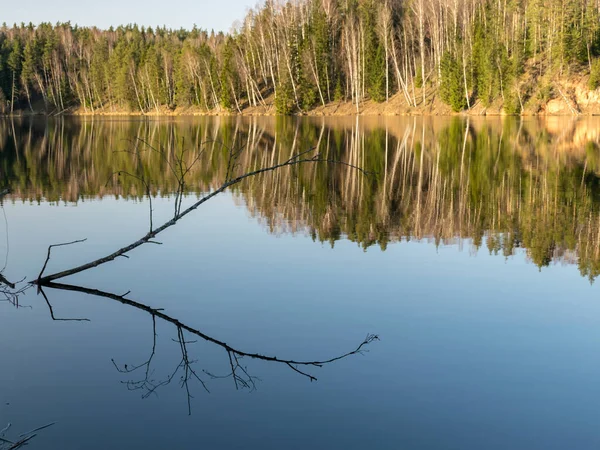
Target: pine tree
14	65
451	83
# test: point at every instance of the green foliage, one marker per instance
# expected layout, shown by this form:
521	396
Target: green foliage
121	64
338	93
545	93
511	103
14	58
452	89
418	80
374	54
284	98
227	77
485	57
308	95
377	76
594	80
318	48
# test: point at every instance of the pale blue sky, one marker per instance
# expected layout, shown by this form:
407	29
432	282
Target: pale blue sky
216	14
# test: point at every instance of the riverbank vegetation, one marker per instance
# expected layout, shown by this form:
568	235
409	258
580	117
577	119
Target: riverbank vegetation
298	56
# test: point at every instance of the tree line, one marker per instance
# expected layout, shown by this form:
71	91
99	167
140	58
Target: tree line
304	53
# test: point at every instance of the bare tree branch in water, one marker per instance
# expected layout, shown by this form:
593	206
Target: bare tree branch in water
179	169
51	309
149	385
239	374
11	293
142	180
22	440
3	280
50	250
241	381
299	158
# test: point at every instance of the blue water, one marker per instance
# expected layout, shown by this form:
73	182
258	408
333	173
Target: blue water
476	351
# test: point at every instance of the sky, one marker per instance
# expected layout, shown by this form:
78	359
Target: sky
207	14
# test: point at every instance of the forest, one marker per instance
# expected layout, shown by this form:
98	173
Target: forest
298	55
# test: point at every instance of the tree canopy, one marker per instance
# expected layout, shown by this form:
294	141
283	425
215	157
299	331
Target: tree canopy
305	53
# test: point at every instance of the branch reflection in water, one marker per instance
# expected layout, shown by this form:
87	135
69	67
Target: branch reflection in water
238	373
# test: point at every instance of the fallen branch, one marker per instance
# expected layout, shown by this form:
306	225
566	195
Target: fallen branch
3	280
22	442
294	160
37	429
24	438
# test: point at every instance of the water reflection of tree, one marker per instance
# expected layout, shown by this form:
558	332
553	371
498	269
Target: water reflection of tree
504	185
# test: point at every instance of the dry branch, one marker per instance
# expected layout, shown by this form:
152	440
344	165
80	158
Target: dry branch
50	250
294	160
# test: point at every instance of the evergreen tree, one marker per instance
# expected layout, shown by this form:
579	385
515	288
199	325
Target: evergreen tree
451	84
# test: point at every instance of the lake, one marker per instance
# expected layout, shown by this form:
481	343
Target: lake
468	246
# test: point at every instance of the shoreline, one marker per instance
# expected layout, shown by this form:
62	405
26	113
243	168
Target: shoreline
396	106
246	114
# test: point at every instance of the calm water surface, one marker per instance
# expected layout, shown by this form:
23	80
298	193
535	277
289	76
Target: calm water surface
470	249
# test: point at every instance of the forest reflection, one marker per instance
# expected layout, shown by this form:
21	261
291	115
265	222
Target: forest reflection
503	184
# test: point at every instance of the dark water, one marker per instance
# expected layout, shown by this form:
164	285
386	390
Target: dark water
470	249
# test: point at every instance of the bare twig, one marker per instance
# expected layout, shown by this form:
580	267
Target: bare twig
5	429
11	293
41	290
37	429
3	280
50	249
22	442
146	186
